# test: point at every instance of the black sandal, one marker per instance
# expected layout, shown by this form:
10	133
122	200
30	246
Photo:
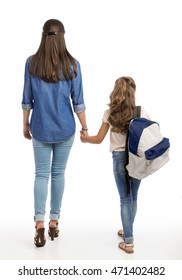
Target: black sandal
53	230
39	239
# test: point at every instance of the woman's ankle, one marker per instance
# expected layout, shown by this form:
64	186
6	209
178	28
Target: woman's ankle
53	223
39	224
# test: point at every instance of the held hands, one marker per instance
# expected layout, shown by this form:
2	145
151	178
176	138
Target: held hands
83	135
26	131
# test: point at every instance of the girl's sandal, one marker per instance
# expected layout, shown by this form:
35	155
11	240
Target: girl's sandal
126	247
120	233
39	239
53	229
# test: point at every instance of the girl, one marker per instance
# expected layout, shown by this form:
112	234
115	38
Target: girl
52	78
122	109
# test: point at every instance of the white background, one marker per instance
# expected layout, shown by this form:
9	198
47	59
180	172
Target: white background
110	39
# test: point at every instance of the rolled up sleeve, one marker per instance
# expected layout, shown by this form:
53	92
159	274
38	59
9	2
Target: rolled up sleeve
27	100
27	106
79	108
77	92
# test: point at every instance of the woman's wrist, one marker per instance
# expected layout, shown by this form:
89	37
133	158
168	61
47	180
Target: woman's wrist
84	129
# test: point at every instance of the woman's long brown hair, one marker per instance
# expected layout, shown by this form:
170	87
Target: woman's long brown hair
52	61
122	104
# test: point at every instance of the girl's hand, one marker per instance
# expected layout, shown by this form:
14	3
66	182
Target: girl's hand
26	132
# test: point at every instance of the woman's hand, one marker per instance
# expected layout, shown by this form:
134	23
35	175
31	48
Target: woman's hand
83	135
26	131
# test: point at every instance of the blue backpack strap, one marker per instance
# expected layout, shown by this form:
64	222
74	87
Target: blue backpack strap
136	115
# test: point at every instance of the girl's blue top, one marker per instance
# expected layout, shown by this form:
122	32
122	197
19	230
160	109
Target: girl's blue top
52	105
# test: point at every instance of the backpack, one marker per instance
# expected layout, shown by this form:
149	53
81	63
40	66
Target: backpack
147	150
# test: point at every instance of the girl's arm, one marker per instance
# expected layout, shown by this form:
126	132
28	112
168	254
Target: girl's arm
97	139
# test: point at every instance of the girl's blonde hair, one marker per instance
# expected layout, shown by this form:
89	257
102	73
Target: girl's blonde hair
122	104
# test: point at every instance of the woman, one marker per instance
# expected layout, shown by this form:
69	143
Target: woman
122	109
52	85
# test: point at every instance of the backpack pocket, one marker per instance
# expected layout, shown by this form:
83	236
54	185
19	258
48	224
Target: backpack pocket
157	150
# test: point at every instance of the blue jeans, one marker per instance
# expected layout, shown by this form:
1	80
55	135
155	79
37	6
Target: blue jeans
50	158
128	200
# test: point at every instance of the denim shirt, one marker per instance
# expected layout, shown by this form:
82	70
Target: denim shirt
52	105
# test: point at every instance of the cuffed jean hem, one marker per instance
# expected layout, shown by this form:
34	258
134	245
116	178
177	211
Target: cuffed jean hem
128	240
54	216
39	217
